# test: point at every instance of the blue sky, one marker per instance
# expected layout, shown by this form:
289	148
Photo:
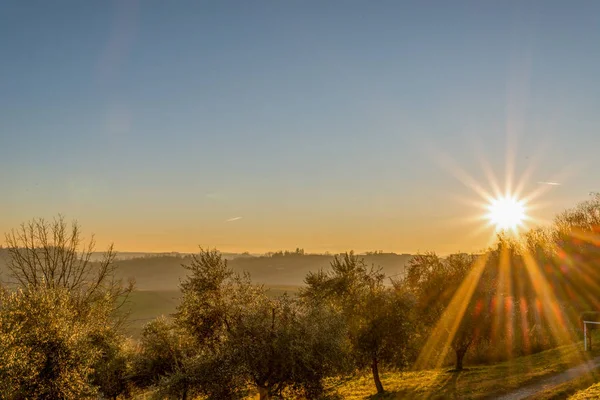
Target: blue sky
321	124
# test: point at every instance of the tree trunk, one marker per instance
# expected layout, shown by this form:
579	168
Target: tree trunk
263	392
460	354
184	394
375	370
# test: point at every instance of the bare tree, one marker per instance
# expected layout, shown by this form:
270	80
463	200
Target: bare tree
53	255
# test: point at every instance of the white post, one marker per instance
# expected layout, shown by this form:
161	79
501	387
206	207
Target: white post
584	336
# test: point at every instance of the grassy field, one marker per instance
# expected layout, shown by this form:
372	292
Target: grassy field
477	382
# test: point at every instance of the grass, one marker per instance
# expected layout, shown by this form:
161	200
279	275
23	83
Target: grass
145	305
476	382
592	392
568	389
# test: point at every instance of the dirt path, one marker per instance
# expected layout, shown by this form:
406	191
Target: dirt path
552	381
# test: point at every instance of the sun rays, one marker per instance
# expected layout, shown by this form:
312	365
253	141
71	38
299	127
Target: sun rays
529	292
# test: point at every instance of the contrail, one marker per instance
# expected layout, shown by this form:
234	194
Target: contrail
233	219
549	183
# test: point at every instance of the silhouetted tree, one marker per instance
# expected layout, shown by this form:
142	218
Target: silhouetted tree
48	255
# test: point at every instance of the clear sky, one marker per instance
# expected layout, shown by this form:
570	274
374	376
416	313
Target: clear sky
266	125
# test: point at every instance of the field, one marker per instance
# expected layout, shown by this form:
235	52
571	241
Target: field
145	305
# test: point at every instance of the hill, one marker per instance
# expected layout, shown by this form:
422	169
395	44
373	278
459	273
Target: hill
163	272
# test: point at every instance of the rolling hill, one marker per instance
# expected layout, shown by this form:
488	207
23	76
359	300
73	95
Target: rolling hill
164	272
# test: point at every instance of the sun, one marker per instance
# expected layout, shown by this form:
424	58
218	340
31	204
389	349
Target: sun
506	213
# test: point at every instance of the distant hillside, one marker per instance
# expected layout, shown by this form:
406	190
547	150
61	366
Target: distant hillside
165	272
3	261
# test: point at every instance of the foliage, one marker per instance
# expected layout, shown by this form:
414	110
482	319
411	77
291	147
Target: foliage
286	253
276	345
577	255
448	308
57	324
378	319
111	372
46	351
585	217
163	359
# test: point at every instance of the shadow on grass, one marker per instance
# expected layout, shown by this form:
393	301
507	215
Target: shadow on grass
384	396
331	396
444	387
448	388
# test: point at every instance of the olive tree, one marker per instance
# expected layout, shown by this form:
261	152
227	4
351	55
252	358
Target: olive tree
435	283
60	312
276	345
164	360
45	346
377	318
112	370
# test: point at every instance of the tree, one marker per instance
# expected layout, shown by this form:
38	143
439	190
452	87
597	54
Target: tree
377	318
286	346
62	310
277	345
426	276
576	233
45	346
164	359
48	255
463	316
112	370
585	217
